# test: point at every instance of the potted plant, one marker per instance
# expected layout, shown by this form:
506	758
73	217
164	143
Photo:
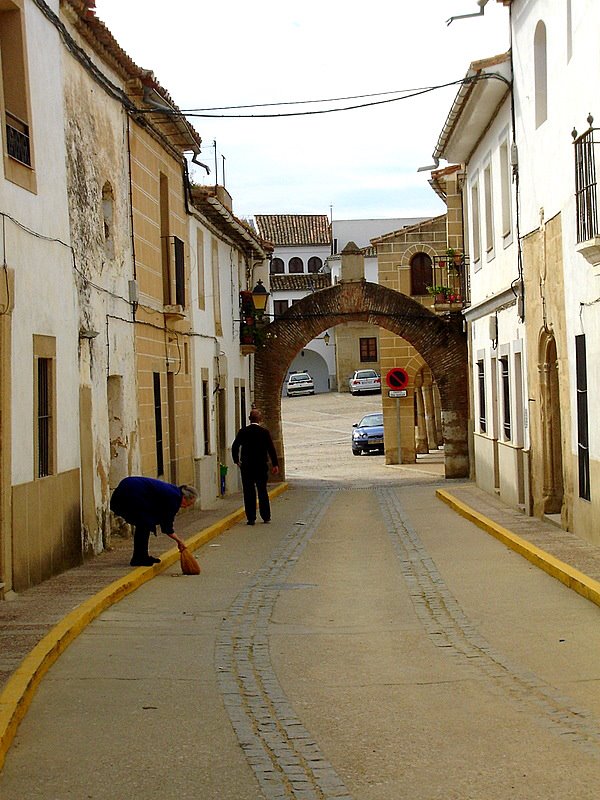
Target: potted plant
440	293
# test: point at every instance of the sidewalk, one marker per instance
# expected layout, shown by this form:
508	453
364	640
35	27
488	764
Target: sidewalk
41	622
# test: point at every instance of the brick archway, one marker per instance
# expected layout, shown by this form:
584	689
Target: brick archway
440	342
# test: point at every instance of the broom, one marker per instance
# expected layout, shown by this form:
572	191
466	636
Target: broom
189	565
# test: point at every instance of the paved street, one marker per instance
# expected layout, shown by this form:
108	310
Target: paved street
368	644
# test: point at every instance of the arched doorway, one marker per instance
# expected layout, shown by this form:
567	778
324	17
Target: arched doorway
440	342
553	488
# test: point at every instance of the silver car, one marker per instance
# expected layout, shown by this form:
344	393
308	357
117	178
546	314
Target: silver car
300	383
364	380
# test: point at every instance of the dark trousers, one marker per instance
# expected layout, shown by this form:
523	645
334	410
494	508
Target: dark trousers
254	482
141	537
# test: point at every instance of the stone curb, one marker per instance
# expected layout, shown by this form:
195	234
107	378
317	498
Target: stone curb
572	578
20	689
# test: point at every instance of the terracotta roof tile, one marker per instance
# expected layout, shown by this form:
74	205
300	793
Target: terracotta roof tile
294	229
303	283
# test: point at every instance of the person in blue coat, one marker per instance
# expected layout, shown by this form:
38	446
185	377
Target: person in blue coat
146	503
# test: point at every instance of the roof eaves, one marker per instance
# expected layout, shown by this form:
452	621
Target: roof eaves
486	80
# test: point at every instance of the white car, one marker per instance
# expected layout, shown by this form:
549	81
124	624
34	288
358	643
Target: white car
364	380
300	383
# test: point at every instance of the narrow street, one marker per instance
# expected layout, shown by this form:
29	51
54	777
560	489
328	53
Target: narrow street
368	644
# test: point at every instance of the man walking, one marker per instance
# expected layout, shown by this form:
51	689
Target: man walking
251	449
146	503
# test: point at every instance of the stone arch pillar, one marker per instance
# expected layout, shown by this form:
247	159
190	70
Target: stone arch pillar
421	440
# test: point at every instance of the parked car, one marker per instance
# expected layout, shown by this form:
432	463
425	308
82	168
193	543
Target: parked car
364	380
300	383
367	435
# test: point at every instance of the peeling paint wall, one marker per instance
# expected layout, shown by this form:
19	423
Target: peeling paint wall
98	195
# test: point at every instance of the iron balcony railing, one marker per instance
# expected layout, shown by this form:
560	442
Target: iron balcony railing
17	139
586	200
450	275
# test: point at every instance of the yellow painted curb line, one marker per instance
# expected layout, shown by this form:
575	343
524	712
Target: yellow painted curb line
577	581
20	688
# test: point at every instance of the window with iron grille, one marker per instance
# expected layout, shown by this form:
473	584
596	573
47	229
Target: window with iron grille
158	428
179	271
482	405
314	264
44	417
296	265
277	266
505	378
206	416
583	449
585	186
368	348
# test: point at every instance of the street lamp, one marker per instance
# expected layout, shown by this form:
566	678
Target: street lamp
260	297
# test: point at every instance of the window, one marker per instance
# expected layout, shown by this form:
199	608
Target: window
585	187
569	31
583	450
481	389
200	269
296	265
476	224
216	286
179	271
314	264
164	238
368	348
44	352
206	416
421	273
505	378
489	210
277	266
158	427
540	67
16	115
280	307
505	184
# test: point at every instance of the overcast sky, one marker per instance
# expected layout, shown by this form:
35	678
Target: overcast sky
361	162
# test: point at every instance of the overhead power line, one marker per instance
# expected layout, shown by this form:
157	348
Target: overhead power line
202	113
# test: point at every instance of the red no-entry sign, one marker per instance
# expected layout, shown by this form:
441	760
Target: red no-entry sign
397	378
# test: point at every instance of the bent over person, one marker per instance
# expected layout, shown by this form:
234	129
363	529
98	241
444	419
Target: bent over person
251	450
146	503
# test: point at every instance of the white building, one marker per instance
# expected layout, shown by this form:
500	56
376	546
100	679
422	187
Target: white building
39	322
227	257
302	244
478	134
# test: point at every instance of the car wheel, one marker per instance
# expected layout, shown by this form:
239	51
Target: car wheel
355	452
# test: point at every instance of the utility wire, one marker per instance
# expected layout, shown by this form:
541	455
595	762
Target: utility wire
305	102
410	94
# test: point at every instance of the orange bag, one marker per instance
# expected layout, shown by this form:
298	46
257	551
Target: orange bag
189	565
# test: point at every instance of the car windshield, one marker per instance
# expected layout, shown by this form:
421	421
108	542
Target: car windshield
366	373
296	378
371	421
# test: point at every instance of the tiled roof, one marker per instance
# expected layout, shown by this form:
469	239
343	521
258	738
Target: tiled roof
173	125
294	229
302	283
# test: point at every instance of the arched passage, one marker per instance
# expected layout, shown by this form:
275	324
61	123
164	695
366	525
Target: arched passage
439	341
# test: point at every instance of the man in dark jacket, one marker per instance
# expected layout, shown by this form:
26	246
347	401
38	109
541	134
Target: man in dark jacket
251	449
146	503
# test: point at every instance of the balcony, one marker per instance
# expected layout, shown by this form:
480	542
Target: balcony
450	287
586	200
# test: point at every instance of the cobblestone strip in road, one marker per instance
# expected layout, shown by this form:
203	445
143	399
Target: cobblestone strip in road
447	626
285	758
